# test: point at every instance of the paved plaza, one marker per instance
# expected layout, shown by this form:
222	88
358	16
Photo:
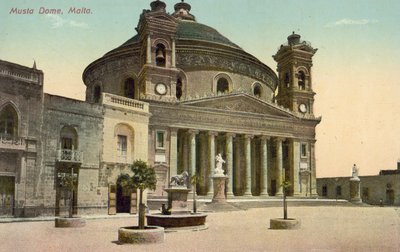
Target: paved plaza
324	228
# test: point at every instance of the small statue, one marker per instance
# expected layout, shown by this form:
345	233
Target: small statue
354	171
180	180
218	167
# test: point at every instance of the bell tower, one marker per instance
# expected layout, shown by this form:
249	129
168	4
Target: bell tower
158	74
295	79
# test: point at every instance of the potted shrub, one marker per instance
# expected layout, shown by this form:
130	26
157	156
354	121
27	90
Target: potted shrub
144	177
285	222
69	181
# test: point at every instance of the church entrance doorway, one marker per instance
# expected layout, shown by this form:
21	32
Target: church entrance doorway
390	196
7	188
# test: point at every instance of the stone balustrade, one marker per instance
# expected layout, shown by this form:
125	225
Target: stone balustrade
126	103
21	75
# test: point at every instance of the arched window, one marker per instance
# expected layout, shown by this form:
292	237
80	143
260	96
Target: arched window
222	85
129	88
302	80
124	138
257	90
160	55
96	94
68	138
179	88
287	79
8	121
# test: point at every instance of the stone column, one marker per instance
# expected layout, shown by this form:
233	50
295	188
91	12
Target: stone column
247	150
295	162
313	179
237	167
211	161
192	154
148	50
279	167
264	166
173	153
173	61
185	152
229	163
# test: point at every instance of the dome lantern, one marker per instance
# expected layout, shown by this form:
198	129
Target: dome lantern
182	11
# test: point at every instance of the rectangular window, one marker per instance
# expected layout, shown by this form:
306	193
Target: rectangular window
324	191
303	150
122	145
160	140
338	191
365	193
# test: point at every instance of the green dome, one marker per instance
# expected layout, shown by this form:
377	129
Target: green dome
193	31
196	31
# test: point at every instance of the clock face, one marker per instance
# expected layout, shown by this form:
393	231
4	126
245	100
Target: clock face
303	108
161	89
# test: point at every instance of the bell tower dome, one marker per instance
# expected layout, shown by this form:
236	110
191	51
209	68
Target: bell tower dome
295	90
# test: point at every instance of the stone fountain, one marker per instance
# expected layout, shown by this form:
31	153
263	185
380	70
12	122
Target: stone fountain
177	215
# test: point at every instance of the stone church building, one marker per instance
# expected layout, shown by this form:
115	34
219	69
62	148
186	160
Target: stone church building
176	94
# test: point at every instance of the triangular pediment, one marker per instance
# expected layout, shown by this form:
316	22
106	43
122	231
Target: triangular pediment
241	103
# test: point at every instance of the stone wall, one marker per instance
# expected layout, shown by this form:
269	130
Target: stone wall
374	189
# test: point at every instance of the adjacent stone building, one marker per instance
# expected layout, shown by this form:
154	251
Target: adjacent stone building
382	189
176	94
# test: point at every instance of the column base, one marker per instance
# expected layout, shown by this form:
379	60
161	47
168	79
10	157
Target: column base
264	194
230	194
247	194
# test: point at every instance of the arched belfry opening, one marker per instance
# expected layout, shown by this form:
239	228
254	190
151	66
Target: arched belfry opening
179	88
302	80
160	55
129	88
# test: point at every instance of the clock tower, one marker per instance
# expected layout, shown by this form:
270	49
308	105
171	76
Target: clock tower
295	79
158	74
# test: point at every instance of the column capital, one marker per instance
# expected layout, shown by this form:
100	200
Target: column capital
280	139
193	132
173	130
229	134
248	136
265	137
212	133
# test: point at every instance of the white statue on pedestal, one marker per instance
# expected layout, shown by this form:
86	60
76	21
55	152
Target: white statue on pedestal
354	171
218	166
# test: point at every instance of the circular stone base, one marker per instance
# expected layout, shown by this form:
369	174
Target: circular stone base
175	221
280	223
134	235
65	222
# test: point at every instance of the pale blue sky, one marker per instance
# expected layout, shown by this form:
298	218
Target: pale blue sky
355	68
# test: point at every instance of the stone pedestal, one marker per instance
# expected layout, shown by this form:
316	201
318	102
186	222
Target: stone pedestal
177	200
355	186
219	188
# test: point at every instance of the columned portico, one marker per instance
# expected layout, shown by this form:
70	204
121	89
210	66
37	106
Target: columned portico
248	166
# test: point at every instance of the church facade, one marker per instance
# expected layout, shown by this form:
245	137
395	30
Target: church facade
175	95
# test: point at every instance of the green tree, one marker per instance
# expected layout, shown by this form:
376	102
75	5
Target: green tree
194	180
285	186
69	181
144	177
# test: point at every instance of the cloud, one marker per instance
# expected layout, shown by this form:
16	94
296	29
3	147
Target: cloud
58	22
347	21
